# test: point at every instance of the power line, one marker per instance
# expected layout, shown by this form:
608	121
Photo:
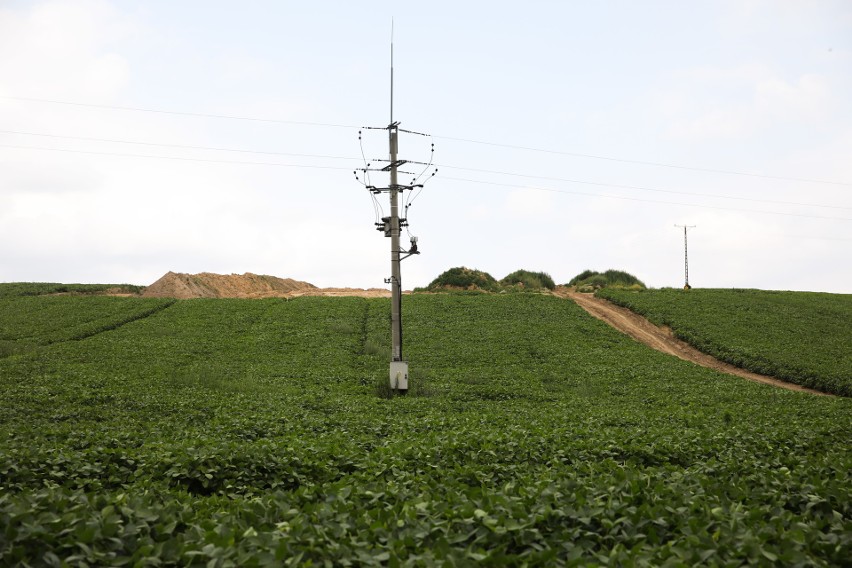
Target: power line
182	146
457	139
180	113
644	188
126	155
814	237
553	190
308	166
478	170
641	162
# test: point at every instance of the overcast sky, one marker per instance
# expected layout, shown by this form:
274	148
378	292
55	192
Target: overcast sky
568	135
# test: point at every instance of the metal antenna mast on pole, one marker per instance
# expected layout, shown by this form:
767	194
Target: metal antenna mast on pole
392	227
686	285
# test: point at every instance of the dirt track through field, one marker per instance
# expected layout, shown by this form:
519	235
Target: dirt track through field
662	339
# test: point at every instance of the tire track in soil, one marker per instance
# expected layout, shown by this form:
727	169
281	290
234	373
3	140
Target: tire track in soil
121	323
662	339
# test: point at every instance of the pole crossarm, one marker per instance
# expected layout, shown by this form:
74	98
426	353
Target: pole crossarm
398	187
395	164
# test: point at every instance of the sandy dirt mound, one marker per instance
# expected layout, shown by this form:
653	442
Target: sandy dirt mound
248	285
360	292
662	339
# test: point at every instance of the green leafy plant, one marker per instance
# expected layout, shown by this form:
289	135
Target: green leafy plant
248	432
463	278
528	280
590	280
800	337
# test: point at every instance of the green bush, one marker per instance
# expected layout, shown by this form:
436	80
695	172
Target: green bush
15	289
592	280
529	280
464	278
468	279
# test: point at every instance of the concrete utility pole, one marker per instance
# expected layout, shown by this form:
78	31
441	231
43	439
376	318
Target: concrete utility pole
396	273
686	285
392	227
398	367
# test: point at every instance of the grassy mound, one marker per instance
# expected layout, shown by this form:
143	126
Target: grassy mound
529	280
13	289
468	279
591	280
463	278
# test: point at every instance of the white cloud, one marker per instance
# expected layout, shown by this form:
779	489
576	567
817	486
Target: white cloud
713	103
62	175
58	49
805	99
528	203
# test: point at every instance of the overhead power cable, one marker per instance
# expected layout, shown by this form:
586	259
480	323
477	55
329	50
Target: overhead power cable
622	197
182	146
643	188
454	138
641	162
177	158
815	237
460	168
180	113
482	182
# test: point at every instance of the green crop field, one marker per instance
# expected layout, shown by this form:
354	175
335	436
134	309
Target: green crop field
801	337
254	432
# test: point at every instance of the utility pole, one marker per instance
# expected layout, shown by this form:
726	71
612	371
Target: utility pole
398	368
686	285
392	227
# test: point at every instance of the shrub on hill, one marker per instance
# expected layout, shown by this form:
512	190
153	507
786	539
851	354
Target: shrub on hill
13	289
529	280
464	278
590	280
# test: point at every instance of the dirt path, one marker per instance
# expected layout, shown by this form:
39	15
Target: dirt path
662	339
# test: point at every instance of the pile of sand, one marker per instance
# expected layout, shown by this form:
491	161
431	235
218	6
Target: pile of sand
248	285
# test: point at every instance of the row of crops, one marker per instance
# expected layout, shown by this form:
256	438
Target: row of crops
250	432
801	337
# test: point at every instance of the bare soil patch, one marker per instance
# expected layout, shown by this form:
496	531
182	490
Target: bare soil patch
248	285
359	292
662	339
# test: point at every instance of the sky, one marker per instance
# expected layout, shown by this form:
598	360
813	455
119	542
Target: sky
138	138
